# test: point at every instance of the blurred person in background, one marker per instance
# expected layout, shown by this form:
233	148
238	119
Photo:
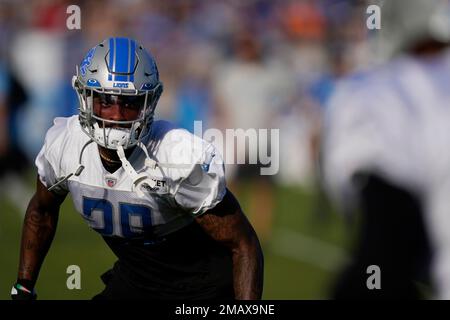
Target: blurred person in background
304	32
13	98
13	161
386	155
249	89
42	27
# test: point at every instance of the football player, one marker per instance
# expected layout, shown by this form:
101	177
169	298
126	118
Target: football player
156	193
386	155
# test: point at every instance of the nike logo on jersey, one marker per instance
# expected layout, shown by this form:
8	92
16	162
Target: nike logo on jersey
160	186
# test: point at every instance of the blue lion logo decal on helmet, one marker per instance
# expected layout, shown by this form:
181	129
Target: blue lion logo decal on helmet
86	61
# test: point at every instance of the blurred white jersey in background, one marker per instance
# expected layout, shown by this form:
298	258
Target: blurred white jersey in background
394	121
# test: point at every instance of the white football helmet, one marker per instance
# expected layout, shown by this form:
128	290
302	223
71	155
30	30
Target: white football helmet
405	23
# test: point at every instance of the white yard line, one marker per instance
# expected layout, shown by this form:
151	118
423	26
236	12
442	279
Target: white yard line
307	249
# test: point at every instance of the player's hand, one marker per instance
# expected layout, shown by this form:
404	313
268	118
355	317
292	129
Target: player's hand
19	292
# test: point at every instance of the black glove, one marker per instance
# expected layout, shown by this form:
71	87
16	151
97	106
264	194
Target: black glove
19	292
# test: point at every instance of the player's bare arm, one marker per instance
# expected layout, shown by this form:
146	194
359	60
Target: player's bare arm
38	231
227	224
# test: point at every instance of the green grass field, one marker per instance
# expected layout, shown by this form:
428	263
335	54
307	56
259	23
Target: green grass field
305	254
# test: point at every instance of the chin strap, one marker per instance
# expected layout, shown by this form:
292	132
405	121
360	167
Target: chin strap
77	172
139	179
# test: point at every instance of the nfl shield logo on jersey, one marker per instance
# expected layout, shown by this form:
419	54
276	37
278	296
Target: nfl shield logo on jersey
110	181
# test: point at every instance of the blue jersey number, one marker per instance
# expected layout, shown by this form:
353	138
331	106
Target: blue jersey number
134	219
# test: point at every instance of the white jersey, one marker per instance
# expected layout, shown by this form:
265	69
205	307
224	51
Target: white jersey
189	179
395	121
